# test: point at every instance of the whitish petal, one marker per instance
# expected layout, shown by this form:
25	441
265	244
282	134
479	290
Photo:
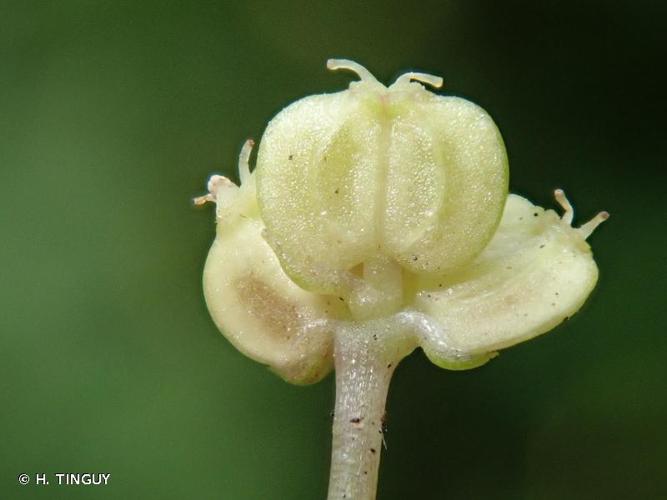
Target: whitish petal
258	308
536	272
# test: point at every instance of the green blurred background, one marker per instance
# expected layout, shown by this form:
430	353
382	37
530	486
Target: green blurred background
113	114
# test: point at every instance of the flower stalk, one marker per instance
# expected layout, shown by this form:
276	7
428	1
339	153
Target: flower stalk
363	374
361	393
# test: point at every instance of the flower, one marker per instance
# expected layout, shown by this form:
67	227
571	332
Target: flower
377	220
389	203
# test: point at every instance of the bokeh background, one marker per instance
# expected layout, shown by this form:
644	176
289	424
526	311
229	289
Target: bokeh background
113	114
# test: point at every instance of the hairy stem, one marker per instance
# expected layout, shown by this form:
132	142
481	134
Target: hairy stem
364	362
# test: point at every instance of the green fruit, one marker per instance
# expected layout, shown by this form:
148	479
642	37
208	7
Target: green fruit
399	172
